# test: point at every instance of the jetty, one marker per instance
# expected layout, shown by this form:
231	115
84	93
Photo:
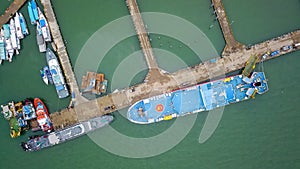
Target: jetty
142	34
231	44
161	82
10	11
60	48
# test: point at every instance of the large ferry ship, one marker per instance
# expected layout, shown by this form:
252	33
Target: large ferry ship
36	143
198	98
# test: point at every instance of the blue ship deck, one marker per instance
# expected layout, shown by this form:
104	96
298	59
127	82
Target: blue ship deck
202	97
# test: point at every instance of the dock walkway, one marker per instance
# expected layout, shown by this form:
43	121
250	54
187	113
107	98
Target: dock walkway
231	44
10	11
142	33
154	71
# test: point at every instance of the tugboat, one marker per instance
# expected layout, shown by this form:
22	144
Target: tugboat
43	117
28	110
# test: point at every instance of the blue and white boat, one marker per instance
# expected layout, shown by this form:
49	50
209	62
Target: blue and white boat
2	46
23	24
44	27
44	77
199	98
30	13
18	26
34	10
28	110
6	31
48	74
57	76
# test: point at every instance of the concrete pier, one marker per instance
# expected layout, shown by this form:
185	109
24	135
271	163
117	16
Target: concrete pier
231	44
234	60
154	71
62	53
10	11
142	33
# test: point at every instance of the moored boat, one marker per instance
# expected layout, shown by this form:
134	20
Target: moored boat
31	15
19	115
13	36
28	110
43	117
34	10
37	143
2	46
23	24
9	50
44	26
18	26
15	129
57	76
44	77
6	112
38	28
199	98
12	108
6	31
48	74
40	40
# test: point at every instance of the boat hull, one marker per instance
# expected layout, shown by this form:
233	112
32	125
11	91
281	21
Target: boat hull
199	98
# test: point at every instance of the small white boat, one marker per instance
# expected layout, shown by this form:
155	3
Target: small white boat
38	28
44	77
9	50
44	26
19	46
13	36
18	27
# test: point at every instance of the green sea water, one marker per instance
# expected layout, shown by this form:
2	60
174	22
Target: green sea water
260	133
